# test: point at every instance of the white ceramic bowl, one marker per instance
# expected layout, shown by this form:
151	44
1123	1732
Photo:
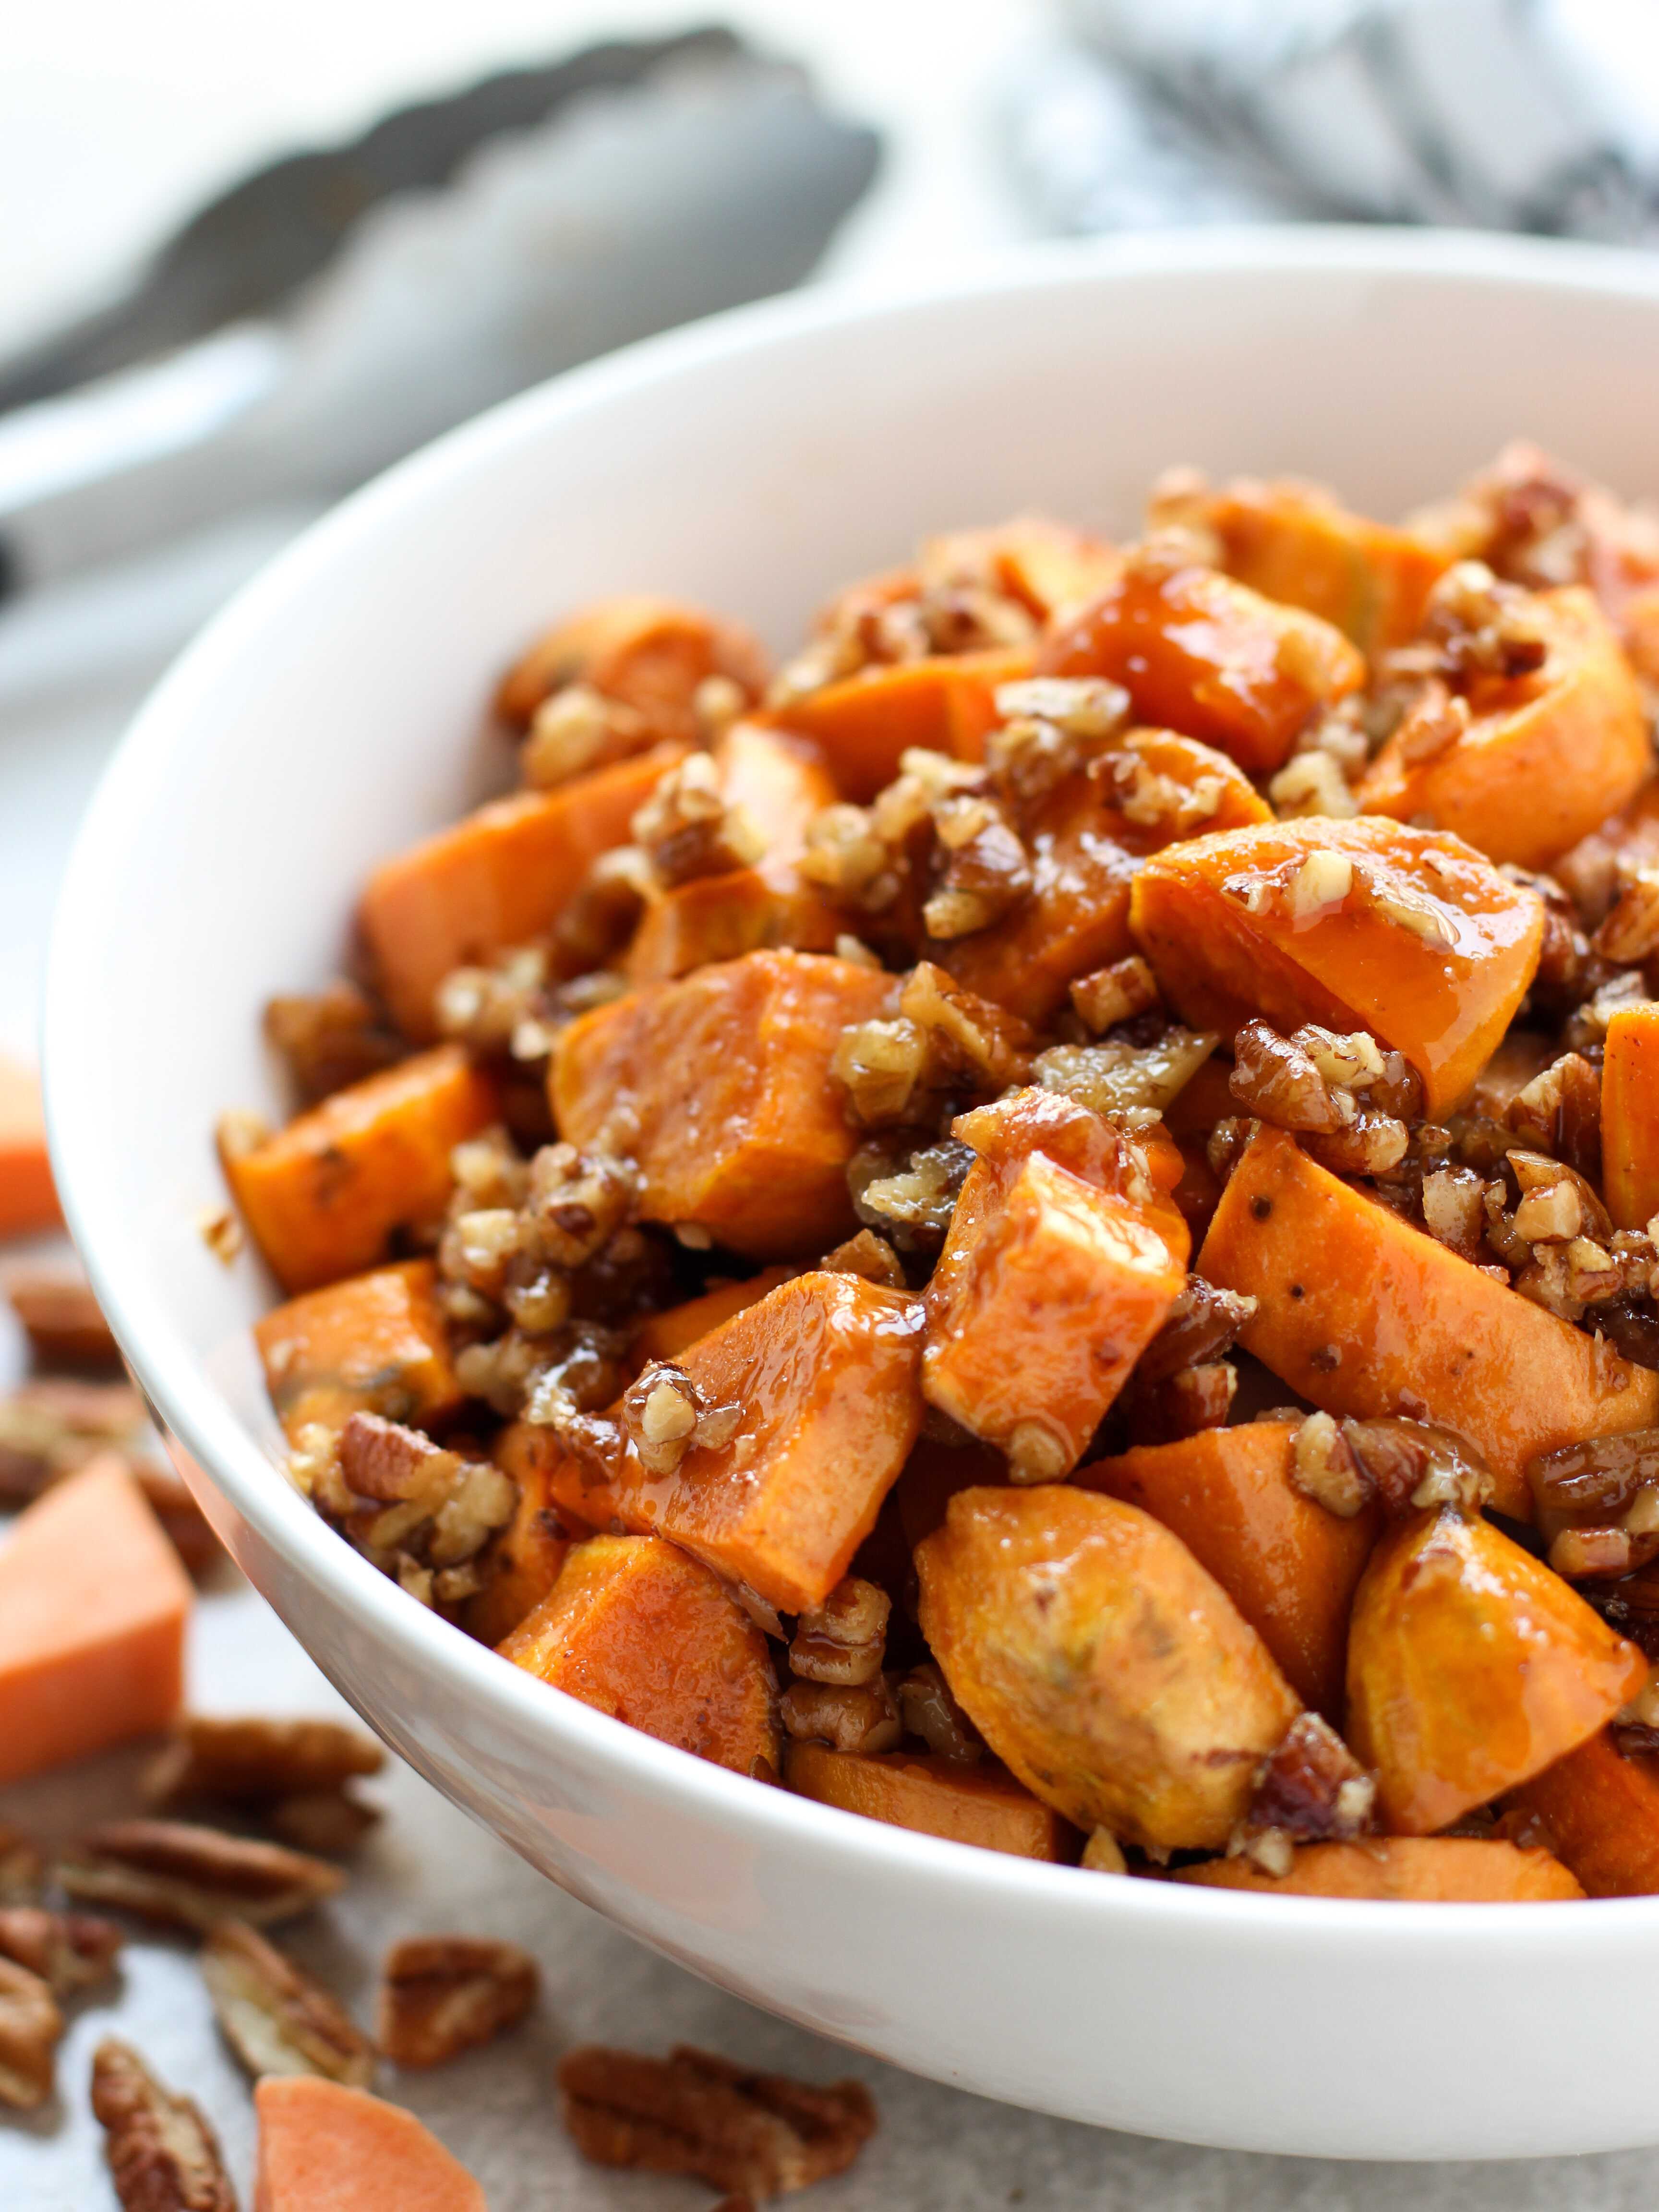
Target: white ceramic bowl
333	713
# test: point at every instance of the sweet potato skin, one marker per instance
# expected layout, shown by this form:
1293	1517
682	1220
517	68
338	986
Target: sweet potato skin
1420	1331
965	1804
521	1562
639	1629
1294	542
1443	1000
373	1343
1472	1666
1403	1869
1291	1567
1600	1813
718	1085
1629	1116
1100	1662
326	1196
866	722
647	654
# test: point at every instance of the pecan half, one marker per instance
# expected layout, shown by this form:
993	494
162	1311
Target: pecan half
68	1951
62	1320
30	2028
276	2018
330	1821
1200	1326
255	1762
22	1868
53	1426
845	1639
194	1877
760	2135
163	2156
442	1995
861	1718
867	1256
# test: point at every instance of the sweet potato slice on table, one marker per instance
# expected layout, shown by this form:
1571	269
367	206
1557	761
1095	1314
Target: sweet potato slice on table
718	1085
27	1199
826	1371
1472	1666
1599	1811
639	1629
323	2147
1407	1869
1546	757
327	1196
374	1344
865	723
521	1562
1356	925
647	654
1629	1116
1288	1565
939	1797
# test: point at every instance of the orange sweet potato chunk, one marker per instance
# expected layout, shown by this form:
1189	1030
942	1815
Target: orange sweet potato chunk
374	1344
1600	1812
499	876
1629	1116
1545	758
642	1631
1472	1666
93	1606
1291	1567
1294	543
1419	1330
826	1368
866	722
1403	1869
521	1562
1357	925
27	1199
323	2147
1203	654
982	1805
718	1085
647	654
666	1336
326	1196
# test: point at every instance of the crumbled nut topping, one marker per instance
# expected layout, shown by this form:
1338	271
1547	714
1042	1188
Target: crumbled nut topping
1162	803
1276	1079
1319	885
929	1710
1118	1080
68	1951
331	1038
1630	932
1311	784
576	729
1453	1211
687	828
442	1995
434	1501
862	1716
1103	1854
1201	1326
1324	1468
1480	627
665	1415
1559	1112
1415	1465
1115	993
1309	1789
31	2026
21	1867
221	1231
845	857
986	869
868	1256
194	1877
844	1640
277	2018
1436	720
163	2156
1037	1453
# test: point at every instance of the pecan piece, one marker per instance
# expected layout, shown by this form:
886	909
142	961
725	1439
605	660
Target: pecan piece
1277	1080
68	1951
192	1877
867	1256
62	1320
1311	1789
442	1995
861	1718
21	1869
757	2135
163	2156
1200	1326
334	1037
30	2028
276	2018
53	1426
256	1762
845	1639
329	1822
931	1712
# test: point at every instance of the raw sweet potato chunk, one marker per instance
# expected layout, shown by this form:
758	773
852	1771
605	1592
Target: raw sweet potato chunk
1629	1116
647	654
1291	1567
1472	1666
1408	1869
1600	1812
1355	925
27	1199
327	1196
498	878
1545	758
826	1371
666	1335
521	1562
374	1344
718	1085
939	1797
323	2147
1100	1661
637	1628
1201	652
866	722
94	1605
1417	1330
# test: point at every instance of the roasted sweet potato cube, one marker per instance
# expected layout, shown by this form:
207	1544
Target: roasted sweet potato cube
497	878
638	1628
825	1370
1046	565
1356	925
982	1805
865	723
666	1336
327	1195
1546	757
718	1085
647	654
1629	1116
521	1562
1472	1666
1291	1567
1201	652
374	1344
1408	1869
1599	1809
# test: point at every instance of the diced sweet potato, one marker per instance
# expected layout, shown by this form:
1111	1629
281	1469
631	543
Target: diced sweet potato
1357	925
1406	1869
374	1344
500	877
1414	1329
27	1199
1600	1811
1101	1662
666	1336
1201	652
1291	1567
647	654
1629	1116
1084	851
939	1797
639	1629
866	722
94	1605
1472	1666
327	1195
521	1562
826	1369
718	1085
323	2147
1546	757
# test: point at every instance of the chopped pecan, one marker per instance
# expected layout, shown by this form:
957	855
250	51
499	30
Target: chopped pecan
1311	1790
1200	1325
665	1415
1416	1465
759	2134
845	1639
1183	1404
1561	1112
1453	1210
448	1503
1629	934
163	2156
192	1877
864	1718
1601	1475
687	828
929	1711
62	1320
442	1995
1312	783
867	1256
1278	1080
577	1201
987	870
68	1951
30	2028
1371	1144
1481	627
276	2018
1324	1466
576	729
253	1762
52	1427
970	1038
1116	1077
331	1822
1115	993
909	1197
331	1038
21	1867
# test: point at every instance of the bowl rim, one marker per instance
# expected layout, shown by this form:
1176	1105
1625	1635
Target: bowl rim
194	1410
